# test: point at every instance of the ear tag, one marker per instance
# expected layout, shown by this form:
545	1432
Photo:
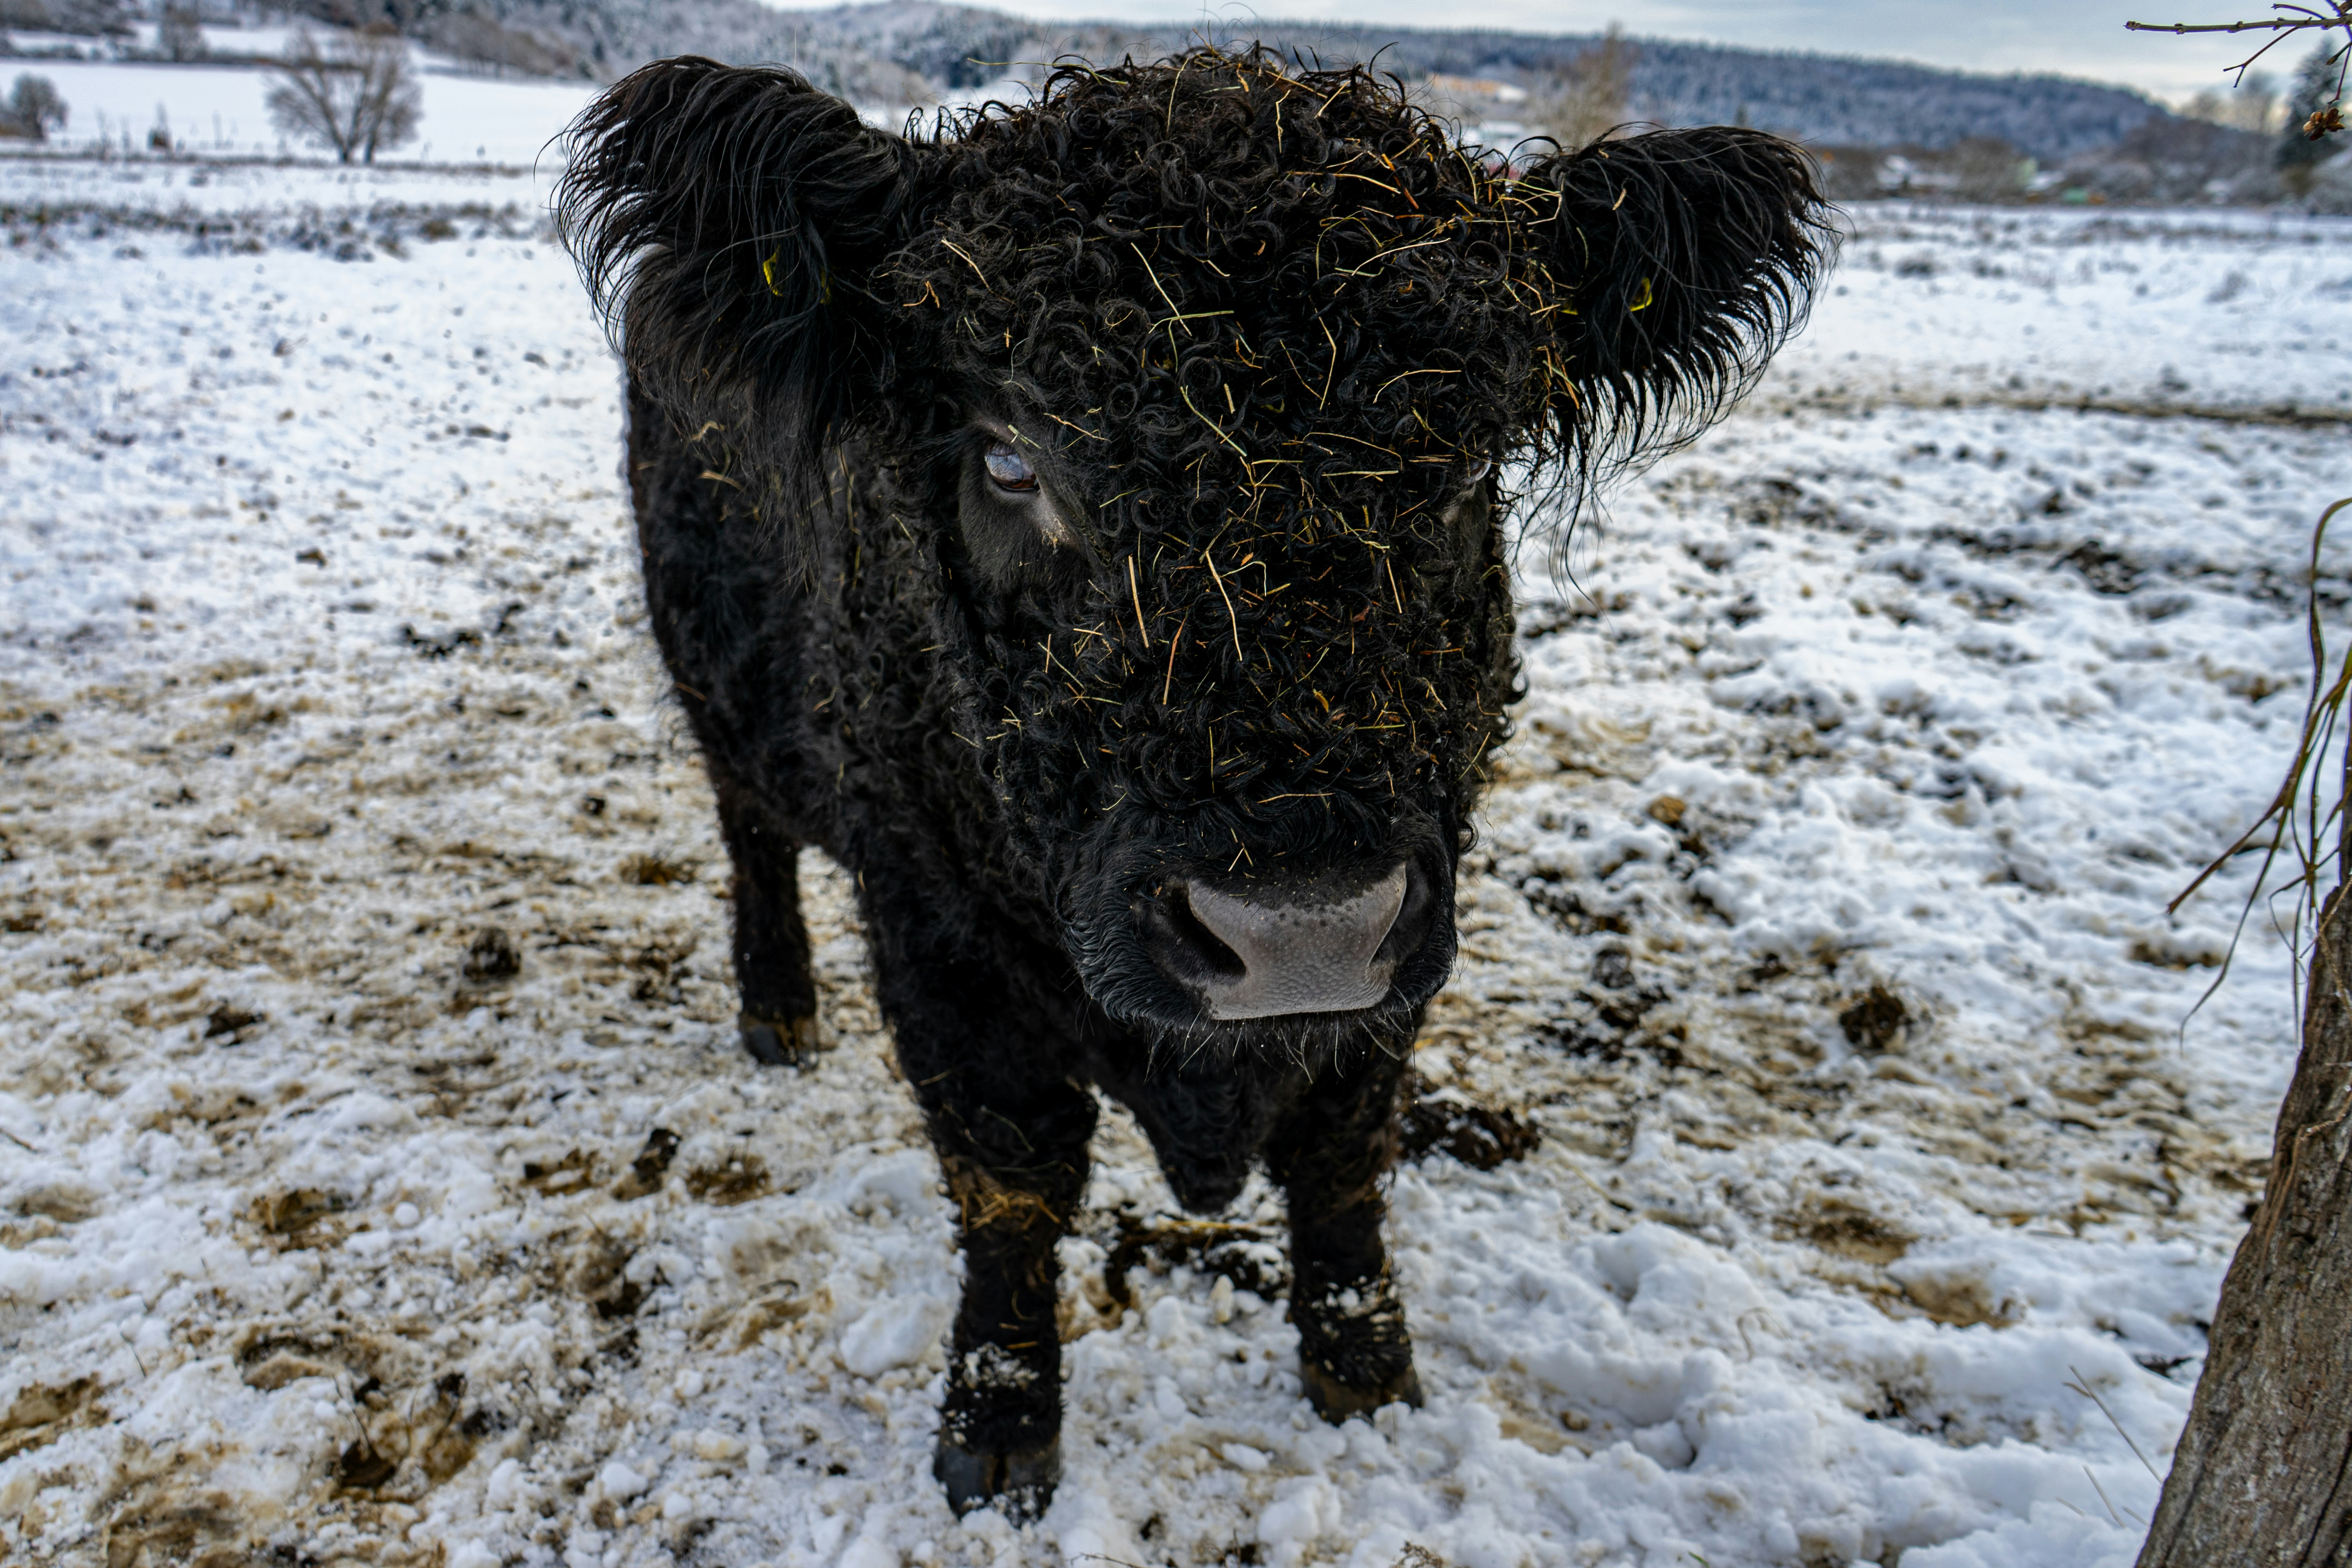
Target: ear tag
1641	298
768	271
824	288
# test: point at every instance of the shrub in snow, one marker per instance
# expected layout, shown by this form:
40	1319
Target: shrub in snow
34	109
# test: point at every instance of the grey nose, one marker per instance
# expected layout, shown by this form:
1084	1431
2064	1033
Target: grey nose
1297	952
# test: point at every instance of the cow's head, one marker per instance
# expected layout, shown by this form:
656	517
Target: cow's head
1206	386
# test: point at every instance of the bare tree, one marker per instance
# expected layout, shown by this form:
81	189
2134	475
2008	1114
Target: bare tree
35	109
2260	1474
180	35
1587	100
2261	1467
356	98
494	48
2252	105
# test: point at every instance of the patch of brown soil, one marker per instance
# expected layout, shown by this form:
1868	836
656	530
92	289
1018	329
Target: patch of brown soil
739	1180
45	1411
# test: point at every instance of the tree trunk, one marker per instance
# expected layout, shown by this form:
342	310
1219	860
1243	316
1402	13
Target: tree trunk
2264	1474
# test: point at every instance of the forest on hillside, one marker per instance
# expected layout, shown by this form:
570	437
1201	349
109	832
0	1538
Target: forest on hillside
908	51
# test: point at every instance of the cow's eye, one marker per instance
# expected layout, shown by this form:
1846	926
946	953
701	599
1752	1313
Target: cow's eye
1012	521
1008	470
1474	470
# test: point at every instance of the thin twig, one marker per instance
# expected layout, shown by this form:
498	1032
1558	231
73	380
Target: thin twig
2305	19
2082	1385
2321	712
1601	1191
2102	1496
2280	25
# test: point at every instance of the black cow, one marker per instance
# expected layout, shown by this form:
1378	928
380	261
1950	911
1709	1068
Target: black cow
1086	522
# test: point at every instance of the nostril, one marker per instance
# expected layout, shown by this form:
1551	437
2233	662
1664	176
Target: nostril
1411	928
1213	955
1185	947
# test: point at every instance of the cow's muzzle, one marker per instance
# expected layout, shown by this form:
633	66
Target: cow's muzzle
1272	947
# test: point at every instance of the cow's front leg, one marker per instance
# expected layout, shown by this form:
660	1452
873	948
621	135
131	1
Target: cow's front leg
1011	1129
1331	1155
1001	1425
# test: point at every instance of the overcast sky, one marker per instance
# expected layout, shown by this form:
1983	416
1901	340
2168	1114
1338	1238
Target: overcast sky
2070	37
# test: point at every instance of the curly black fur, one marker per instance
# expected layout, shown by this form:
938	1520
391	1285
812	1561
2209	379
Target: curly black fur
1268	339
730	221
1688	257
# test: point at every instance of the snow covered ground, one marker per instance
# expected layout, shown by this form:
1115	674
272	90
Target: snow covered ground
362	949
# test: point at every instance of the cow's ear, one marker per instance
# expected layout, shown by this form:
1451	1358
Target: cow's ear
1679	260
729	222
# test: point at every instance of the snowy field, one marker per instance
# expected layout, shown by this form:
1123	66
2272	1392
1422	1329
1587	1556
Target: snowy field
219	111
1817	928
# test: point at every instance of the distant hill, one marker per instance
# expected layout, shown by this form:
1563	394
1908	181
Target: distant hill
903	51
1821	99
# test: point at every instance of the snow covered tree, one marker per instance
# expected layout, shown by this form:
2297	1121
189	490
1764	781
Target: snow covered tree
357	97
2318	83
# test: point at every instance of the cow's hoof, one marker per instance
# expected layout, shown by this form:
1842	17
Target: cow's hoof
1018	1484
1354	1354
779	1042
1336	1402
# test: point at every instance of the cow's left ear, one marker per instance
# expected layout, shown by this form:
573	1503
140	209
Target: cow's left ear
729	222
1679	260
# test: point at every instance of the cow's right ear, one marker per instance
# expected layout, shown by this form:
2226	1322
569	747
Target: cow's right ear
729	221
